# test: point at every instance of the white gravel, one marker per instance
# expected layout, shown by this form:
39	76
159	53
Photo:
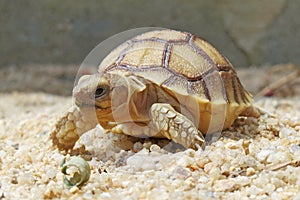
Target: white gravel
255	159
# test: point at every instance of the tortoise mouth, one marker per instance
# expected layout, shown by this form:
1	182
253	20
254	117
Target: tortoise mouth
91	105
81	104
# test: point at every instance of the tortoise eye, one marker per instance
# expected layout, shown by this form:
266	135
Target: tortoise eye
100	92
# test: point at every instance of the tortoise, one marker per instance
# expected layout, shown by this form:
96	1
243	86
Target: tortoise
164	83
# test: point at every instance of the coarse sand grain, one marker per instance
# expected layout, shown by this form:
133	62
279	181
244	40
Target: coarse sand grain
254	159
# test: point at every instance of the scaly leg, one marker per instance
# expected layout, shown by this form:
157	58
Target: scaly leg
254	111
71	126
141	130
175	126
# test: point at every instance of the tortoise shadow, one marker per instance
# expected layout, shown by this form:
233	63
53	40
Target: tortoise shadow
242	128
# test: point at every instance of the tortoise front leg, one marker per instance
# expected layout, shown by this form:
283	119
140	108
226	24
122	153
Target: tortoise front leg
175	126
71	126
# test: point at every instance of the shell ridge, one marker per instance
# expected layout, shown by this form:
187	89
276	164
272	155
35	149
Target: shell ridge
166	55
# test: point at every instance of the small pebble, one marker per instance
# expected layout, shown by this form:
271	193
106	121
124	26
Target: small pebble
137	147
181	173
250	171
295	149
25	178
224	185
262	155
88	195
74	189
154	147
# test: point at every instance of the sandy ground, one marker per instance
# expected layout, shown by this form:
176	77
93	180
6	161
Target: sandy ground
254	159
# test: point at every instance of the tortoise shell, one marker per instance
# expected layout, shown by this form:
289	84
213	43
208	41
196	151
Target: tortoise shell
187	67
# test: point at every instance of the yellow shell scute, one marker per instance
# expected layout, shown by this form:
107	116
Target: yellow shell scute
112	58
177	85
197	88
186	61
212	53
146	53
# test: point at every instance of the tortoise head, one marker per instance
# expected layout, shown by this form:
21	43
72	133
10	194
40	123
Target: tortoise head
92	91
110	94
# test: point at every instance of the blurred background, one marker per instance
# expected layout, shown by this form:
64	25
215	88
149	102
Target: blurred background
42	43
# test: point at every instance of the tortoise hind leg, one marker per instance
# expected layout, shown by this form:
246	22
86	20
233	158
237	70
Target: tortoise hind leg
254	111
175	126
